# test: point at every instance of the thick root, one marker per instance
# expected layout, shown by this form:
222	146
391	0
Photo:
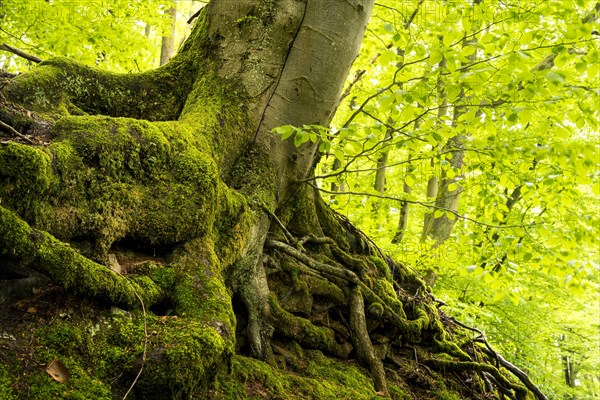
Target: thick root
42	252
362	341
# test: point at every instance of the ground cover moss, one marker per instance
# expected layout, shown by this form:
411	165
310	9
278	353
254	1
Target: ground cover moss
322	378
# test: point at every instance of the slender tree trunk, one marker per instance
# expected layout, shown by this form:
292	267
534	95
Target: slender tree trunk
167	49
380	179
341	186
447	199
403	219
433	181
379	183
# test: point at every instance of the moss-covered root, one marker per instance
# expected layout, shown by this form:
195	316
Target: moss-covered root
362	342
44	253
520	392
200	291
306	333
63	86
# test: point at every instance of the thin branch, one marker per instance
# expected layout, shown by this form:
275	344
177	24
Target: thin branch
516	372
413	15
20	53
421	203
288	236
506	364
145	337
15	132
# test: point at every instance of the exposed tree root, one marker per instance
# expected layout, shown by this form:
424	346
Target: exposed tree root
362	340
45	254
372	301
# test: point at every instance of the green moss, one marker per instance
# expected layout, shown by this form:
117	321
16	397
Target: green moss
87	353
386	292
382	268
445	395
25	176
323	287
41	91
452	349
61	337
323	378
103	354
113	178
232	224
376	310
79	387
6	379
184	358
64	84
65	265
398	394
200	290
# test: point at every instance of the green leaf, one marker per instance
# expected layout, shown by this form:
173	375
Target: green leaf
467	51
438	213
561	59
339	154
556	77
285	131
435	57
301	138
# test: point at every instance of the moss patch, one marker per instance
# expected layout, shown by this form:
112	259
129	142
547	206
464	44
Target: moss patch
323	378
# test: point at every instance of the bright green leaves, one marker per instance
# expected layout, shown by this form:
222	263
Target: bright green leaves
305	134
118	35
439	213
518	84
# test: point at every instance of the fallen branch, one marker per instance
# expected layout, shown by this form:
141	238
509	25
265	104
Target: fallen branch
15	132
20	53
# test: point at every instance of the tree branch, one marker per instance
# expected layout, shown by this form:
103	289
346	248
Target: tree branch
15	132
20	53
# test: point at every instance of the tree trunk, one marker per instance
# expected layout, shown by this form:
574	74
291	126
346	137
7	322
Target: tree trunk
433	181
403	218
447	199
166	194
167	49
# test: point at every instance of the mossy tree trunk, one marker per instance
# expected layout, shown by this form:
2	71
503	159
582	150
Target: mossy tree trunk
167	190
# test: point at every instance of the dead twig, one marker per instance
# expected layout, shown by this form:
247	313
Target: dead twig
15	132
145	336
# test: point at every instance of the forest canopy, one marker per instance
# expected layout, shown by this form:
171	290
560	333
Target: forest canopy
465	146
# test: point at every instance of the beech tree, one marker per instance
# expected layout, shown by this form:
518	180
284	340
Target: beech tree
165	209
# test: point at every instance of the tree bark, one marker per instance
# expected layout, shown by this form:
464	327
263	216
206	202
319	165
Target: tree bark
167	49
